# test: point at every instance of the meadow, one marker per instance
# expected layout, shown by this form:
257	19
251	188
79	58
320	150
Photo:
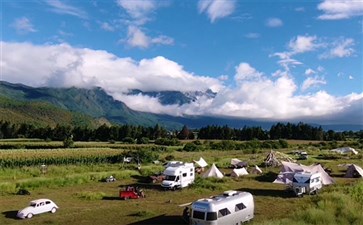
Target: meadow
74	179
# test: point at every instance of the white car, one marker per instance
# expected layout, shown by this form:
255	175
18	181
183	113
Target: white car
36	207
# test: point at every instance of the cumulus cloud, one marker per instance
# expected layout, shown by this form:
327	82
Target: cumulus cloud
255	95
252	35
138	10
137	38
63	8
23	26
274	22
216	9
340	9
312	82
302	44
340	48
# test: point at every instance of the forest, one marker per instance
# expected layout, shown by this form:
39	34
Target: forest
129	133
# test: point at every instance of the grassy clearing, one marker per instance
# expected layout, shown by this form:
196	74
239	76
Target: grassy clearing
84	199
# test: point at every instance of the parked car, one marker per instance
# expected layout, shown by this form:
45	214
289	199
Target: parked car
37	207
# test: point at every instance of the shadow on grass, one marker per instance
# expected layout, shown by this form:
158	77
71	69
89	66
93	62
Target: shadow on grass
111	198
269	192
267	177
161	220
11	214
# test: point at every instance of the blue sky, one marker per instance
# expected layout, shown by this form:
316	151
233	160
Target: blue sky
265	59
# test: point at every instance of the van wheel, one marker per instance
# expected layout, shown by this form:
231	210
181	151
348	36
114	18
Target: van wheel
53	210
29	216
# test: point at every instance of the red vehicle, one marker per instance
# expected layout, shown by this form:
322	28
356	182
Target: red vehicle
132	193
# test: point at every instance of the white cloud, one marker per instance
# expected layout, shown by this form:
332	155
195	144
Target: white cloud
300	9
23	25
137	38
252	35
139	10
312	82
340	9
340	49
245	72
285	60
216	9
223	77
254	95
302	44
63	8
309	72
107	27
274	22
351	77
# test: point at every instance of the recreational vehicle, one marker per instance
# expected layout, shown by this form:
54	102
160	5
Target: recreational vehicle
178	175
230	208
306	183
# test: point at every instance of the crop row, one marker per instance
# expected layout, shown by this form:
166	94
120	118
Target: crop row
19	158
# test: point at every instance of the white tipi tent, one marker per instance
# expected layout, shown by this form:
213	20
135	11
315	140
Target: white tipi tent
201	162
213	172
354	171
239	172
256	170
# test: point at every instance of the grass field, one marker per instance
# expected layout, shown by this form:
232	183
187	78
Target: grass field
84	199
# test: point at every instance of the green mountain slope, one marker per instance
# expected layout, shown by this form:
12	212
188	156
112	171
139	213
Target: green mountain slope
94	103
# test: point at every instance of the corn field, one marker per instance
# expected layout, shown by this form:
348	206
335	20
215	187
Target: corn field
20	158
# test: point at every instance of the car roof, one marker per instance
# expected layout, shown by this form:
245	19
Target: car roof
40	200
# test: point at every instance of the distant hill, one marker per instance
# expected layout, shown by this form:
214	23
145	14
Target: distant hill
92	107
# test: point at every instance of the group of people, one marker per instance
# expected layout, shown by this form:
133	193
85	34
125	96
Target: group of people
137	190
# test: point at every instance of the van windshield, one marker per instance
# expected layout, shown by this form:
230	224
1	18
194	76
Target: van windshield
170	178
198	215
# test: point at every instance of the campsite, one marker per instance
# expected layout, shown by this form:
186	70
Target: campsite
84	197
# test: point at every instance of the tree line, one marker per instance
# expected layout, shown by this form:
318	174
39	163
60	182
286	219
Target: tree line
299	131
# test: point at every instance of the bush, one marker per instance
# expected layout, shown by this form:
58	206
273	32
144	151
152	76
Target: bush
191	147
128	140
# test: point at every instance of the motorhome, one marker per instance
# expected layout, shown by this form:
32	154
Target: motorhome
230	208
306	183
178	175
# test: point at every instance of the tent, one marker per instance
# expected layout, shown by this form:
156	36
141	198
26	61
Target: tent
201	162
239	172
354	171
288	170
256	170
213	172
274	158
236	163
345	150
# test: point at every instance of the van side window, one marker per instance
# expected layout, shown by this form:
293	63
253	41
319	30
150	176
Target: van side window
239	207
223	212
211	216
184	174
47	202
191	174
191	170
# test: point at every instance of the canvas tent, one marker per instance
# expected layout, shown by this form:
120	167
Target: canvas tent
213	172
239	172
201	162
274	158
354	171
345	150
288	170
256	170
236	163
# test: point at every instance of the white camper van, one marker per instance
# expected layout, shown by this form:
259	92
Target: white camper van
178	175
306	183
230	208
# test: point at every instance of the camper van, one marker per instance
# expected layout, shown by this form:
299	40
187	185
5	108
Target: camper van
178	175
230	208
306	183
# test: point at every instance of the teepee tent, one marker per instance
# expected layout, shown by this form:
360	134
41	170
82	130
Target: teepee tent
213	172
274	158
256	170
236	163
201	162
239	172
354	171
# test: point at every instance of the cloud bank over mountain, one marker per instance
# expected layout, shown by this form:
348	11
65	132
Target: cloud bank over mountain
255	95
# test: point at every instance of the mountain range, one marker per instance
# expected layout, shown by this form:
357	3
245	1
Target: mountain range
92	107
